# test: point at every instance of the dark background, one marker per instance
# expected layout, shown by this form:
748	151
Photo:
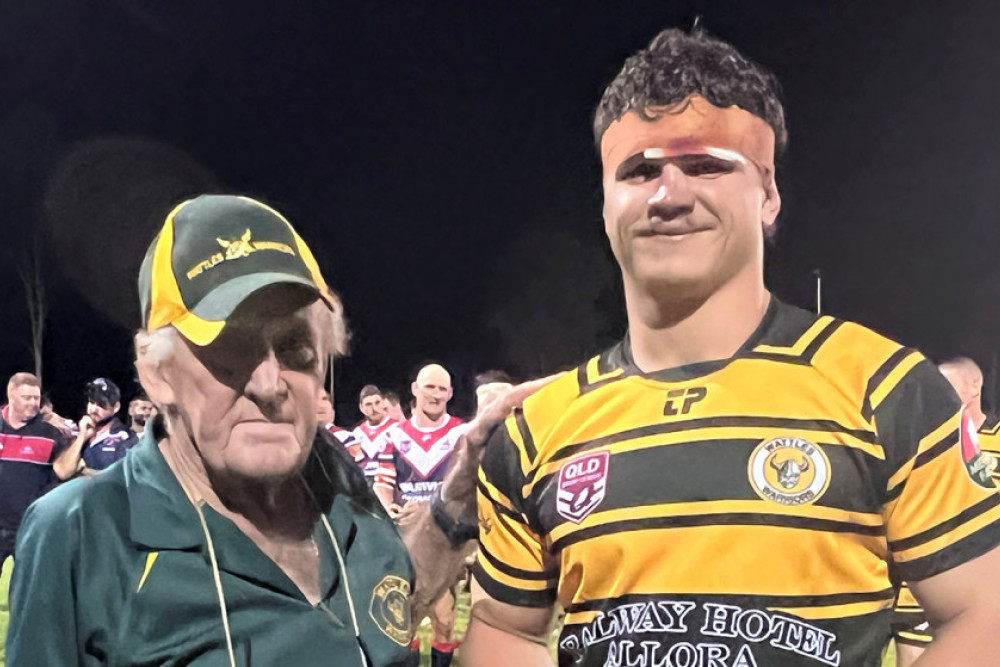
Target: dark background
438	158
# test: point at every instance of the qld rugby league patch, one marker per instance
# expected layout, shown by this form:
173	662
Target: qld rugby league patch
977	463
583	483
390	608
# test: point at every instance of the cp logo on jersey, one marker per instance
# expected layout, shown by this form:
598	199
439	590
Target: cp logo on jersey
583	483
789	471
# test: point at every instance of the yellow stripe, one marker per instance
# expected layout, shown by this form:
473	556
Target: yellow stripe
749	507
802	343
923	639
594	374
893	378
495	493
513	582
836	611
928	441
150	559
946	540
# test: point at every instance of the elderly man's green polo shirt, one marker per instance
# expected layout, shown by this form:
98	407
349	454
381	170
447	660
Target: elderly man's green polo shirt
114	570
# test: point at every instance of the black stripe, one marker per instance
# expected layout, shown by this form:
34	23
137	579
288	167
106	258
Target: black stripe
969	547
965	516
745	601
775	358
991	425
824	425
732	519
529	442
514	596
937	450
880	375
499	507
518	573
817	342
895	491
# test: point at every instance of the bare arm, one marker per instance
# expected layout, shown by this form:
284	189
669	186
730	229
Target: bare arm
67	464
503	635
438	562
963	604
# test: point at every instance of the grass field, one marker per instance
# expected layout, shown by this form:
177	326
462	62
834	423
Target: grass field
461	621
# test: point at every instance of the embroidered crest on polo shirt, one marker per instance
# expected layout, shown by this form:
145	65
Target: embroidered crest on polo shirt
390	608
789	471
583	484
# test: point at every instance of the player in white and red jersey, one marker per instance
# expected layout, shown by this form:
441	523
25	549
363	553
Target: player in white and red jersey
325	415
370	435
412	467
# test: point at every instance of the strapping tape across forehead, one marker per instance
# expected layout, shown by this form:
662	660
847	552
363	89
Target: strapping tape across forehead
211	254
691	126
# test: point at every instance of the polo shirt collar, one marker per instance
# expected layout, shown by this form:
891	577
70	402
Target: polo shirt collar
161	515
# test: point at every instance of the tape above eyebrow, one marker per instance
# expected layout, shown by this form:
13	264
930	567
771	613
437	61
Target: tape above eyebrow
692	126
720	153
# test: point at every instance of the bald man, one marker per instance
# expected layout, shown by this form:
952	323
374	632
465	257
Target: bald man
412	467
914	632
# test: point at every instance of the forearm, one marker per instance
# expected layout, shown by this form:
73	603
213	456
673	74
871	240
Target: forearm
384	494
487	646
960	641
67	463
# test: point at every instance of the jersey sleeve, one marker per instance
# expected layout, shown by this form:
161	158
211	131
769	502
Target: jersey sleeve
385	476
42	593
942	508
513	564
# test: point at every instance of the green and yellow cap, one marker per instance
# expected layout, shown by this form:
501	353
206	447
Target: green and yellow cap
211	254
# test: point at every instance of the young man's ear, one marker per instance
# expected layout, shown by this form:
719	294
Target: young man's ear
771	205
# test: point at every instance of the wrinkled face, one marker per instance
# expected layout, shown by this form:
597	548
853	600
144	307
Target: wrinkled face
373	408
248	400
684	210
431	392
100	411
140	411
24	401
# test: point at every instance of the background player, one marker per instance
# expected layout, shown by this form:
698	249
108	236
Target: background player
370	435
413	466
734	461
914	632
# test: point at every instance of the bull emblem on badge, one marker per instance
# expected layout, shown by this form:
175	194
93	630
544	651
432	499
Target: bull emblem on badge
790	471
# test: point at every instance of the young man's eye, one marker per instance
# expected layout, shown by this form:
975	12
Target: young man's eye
643	171
705	165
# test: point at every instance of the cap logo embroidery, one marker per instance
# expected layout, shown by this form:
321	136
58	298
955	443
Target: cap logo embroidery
237	249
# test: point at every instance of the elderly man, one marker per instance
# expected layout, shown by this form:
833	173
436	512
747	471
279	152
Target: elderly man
227	536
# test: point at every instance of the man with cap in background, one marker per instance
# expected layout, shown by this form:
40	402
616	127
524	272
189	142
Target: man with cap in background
109	439
229	535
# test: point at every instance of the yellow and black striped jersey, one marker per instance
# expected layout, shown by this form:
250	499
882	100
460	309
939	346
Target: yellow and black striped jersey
738	512
910	623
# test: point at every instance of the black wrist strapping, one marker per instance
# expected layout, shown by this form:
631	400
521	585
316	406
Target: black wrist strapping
457	531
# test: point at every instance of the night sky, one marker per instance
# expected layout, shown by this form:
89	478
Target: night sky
438	158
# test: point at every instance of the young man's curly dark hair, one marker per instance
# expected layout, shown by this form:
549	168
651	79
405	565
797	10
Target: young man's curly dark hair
678	64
